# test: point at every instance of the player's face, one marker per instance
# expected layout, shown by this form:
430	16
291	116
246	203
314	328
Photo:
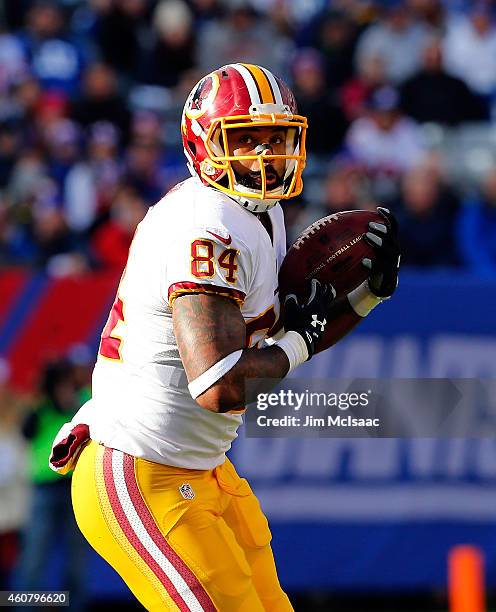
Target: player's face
244	141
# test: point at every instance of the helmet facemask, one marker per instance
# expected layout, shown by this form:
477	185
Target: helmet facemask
256	198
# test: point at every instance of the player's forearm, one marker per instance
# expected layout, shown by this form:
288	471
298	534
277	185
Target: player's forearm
257	371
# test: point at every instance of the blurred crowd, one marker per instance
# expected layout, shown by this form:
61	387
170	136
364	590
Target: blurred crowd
400	97
36	519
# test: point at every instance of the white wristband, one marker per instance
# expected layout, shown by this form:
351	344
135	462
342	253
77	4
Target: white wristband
295	348
362	299
213	374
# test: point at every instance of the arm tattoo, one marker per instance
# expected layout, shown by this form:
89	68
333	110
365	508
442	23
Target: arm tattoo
207	328
210	327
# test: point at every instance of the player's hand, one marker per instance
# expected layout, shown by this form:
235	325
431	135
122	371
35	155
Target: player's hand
309	319
383	237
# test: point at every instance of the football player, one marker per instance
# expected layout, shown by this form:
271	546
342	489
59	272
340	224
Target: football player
153	491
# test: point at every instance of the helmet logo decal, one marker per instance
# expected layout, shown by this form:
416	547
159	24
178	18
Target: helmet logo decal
202	96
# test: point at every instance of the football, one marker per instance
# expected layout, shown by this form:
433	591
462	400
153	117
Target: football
331	250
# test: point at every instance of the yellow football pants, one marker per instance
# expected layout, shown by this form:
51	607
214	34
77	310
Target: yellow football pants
180	539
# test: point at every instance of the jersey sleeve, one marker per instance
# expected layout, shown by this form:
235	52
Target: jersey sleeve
209	261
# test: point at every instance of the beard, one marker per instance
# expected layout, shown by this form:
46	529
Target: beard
253	180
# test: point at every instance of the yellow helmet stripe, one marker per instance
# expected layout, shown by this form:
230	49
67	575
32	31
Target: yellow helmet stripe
263	84
273	83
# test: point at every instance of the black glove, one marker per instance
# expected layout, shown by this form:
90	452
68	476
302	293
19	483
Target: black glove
309	319
383	237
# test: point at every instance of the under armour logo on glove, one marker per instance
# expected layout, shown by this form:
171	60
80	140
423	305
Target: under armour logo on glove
315	322
309	319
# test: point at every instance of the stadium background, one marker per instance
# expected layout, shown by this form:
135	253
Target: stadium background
401	103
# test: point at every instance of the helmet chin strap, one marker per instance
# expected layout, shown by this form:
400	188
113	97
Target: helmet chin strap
254	205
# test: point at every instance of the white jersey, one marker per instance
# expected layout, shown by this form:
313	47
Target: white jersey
195	239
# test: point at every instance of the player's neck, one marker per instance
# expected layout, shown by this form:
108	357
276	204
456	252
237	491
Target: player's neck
266	222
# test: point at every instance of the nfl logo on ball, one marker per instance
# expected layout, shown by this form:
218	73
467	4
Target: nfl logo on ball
186	491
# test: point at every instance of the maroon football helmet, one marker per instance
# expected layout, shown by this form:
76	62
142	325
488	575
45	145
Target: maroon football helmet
242	96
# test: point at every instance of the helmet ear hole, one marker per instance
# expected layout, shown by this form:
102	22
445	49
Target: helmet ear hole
192	147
